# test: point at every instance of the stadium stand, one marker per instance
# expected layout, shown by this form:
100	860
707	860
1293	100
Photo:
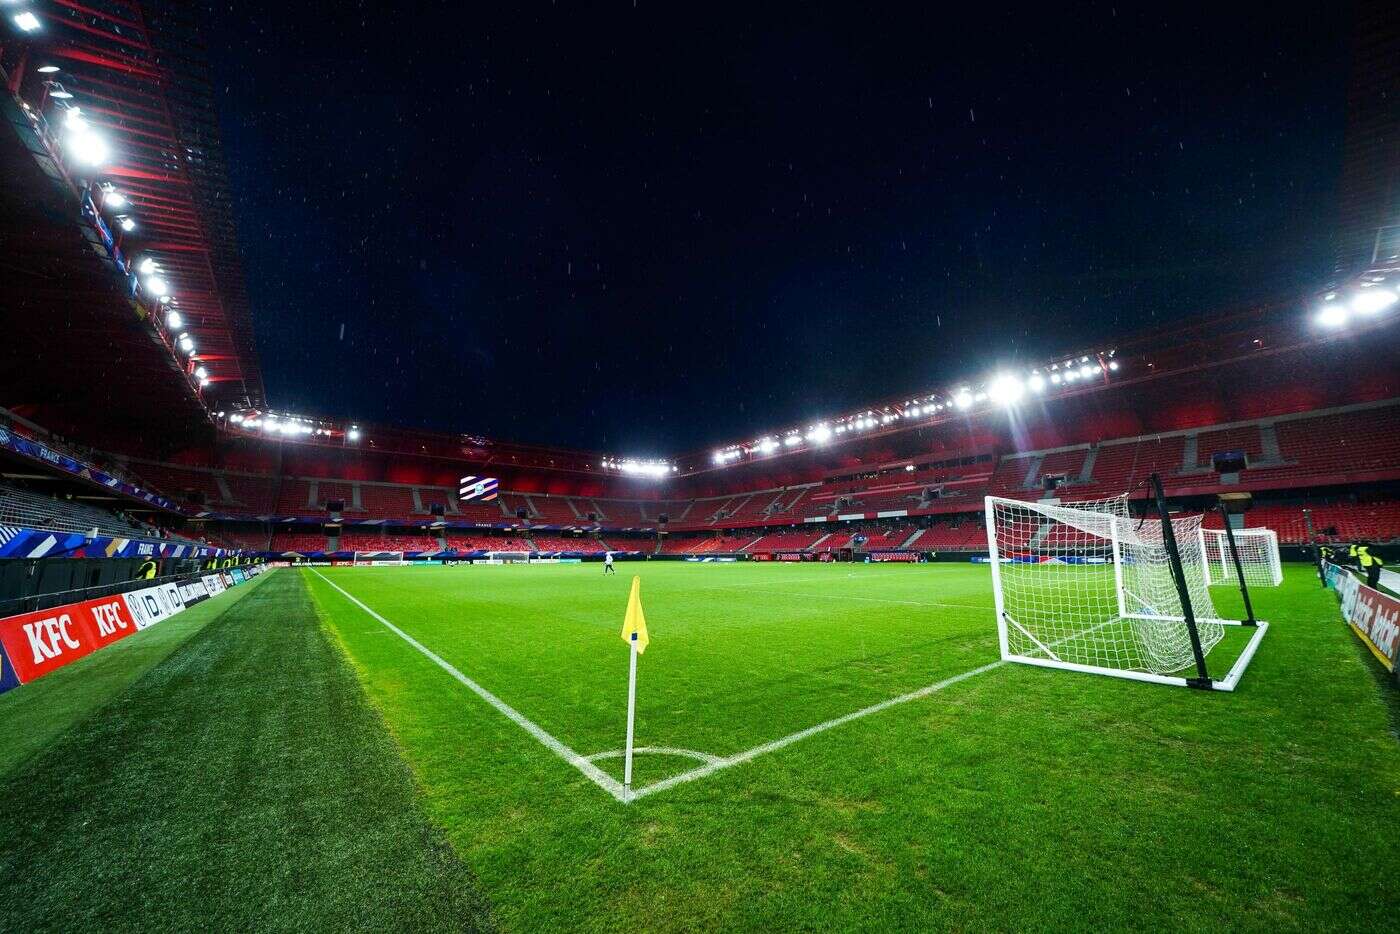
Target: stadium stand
460	542
587	546
796	540
352	540
300	542
33	510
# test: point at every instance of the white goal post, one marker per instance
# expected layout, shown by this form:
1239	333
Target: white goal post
1259	557
378	558
1087	587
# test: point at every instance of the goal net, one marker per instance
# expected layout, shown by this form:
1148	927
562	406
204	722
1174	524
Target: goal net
1259	558
379	558
1086	586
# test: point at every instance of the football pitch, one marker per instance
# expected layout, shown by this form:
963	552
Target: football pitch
820	746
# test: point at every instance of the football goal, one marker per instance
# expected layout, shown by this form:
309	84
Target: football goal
1258	551
379	558
1087	587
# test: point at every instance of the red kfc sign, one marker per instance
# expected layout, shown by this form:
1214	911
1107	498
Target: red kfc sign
40	642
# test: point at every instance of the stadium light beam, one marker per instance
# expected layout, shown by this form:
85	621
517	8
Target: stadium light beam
1373	301
1332	316
87	147
1006	390
26	21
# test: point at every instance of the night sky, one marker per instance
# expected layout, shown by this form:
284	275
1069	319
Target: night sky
645	229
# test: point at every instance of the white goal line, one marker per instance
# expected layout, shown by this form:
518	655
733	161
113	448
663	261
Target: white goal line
612	786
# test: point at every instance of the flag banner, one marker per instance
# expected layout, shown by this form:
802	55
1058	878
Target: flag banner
634	625
480	488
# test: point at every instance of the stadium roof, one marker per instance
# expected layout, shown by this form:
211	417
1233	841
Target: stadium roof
117	105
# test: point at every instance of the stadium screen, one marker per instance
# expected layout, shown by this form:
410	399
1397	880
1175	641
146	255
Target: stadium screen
477	488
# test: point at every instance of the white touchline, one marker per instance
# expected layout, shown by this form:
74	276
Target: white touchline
742	757
595	774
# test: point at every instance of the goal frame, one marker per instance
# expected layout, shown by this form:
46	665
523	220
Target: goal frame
377	558
1227	683
1220	572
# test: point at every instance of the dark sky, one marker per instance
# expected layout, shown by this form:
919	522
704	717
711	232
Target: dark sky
645	229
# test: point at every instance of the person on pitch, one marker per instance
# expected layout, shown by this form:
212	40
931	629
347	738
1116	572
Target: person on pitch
608	563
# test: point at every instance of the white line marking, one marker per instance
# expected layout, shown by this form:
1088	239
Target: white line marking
655	751
738	758
596	775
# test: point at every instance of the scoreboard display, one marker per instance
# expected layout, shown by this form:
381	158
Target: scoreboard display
480	489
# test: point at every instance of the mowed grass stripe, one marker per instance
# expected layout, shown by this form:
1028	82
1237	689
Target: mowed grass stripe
243	783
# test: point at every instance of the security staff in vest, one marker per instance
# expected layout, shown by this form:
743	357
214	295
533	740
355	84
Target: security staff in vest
147	571
1370	565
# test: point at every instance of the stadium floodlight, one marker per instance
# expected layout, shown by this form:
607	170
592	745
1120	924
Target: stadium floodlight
1113	365
353	434
1071	376
26	21
146	266
1086	371
87	147
1036	383
1055	378
235	418
48	69
126	223
58	92
913	411
1006	390
963	399
792	440
1332	316
157	286
186	343
201	372
821	434
768	446
204	381
1372	301
114	199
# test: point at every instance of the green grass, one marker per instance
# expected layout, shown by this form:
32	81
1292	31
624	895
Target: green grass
240	782
1019	798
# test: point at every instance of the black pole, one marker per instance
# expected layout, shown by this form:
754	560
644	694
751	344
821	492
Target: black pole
1249	619
1202	679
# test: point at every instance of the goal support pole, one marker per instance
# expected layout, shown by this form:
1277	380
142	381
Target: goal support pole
1249	619
1202	679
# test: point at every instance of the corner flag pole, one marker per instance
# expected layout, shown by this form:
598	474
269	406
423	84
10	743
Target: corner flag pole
631	718
634	633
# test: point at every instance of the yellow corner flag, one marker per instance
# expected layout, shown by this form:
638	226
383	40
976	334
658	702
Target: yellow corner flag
634	626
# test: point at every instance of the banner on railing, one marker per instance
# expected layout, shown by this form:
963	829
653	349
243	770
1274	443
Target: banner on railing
1373	615
35	644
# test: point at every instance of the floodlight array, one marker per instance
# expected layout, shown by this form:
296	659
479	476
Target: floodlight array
1002	389
1366	299
640	467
